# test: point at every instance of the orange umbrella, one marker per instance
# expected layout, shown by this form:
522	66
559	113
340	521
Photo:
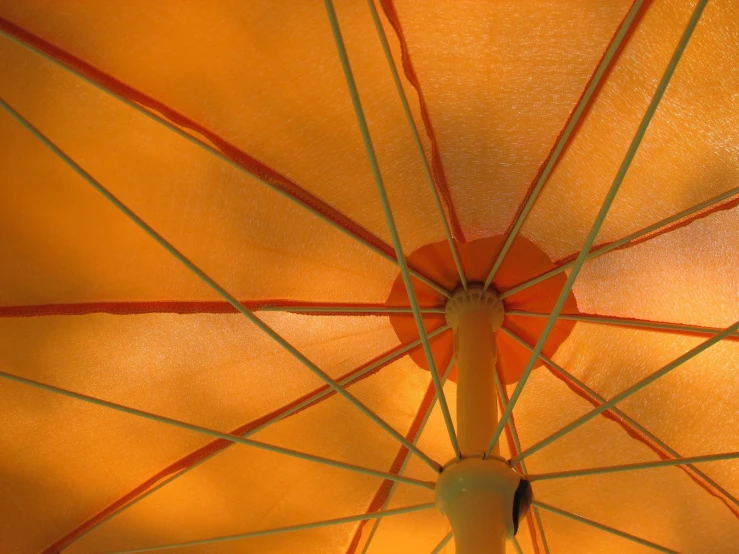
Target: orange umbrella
369	277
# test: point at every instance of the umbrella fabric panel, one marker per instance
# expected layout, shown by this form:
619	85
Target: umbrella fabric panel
489	89
699	417
55	226
415	532
689	275
336	429
689	152
258	244
418	532
434	439
689	409
211	65
545	405
213	370
332	429
576	538
191	367
237	491
64	460
659	505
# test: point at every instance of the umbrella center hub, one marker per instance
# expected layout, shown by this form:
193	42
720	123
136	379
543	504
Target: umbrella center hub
475	302
483	500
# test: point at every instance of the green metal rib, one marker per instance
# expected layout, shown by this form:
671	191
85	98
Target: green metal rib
625	240
443	543
635	467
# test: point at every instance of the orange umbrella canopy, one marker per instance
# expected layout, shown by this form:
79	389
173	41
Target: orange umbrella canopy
229	130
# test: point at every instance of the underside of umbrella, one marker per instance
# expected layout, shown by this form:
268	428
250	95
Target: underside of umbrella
363	277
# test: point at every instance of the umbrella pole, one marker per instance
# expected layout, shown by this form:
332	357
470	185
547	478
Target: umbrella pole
477	494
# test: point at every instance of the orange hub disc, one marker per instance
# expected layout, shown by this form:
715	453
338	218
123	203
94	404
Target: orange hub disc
524	261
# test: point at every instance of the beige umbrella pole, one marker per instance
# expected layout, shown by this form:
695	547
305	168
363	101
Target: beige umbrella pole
476	494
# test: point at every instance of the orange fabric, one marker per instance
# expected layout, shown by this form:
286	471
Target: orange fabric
243	159
639	15
214	447
384	490
636	434
491	87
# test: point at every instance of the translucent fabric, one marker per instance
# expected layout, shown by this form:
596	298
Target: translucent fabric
229	129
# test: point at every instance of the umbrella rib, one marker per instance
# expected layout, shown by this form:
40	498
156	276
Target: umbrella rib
625	394
625	322
216	287
516	447
347	380
608	201
625	417
635	467
206	307
364	130
280	530
212	432
426	417
221	156
443	543
517	546
379	310
564	138
625	240
602	527
417	140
